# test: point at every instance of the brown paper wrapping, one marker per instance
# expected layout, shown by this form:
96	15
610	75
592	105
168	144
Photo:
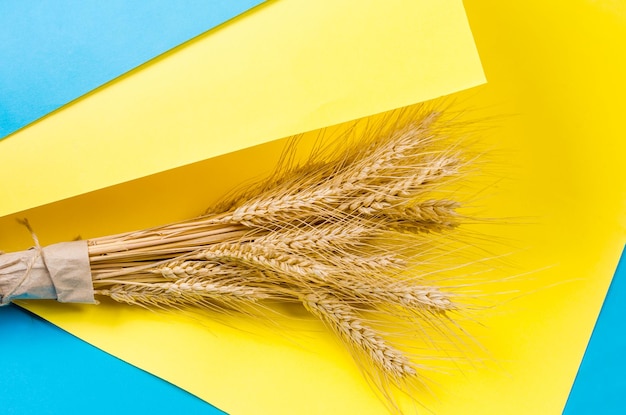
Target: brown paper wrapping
60	271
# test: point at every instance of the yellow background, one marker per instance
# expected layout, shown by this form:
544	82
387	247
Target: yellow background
555	101
280	69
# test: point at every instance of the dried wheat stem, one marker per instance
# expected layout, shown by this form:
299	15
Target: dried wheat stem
377	197
328	268
184	243
431	211
188	269
325	237
187	291
299	267
396	145
369	289
409	296
390	162
115	259
159	232
359	337
424	217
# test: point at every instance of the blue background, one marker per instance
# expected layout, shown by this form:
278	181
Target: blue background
600	385
45	370
52	52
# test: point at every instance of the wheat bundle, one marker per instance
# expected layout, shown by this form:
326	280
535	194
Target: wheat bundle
340	234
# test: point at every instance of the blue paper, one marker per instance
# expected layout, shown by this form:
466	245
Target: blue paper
53	52
600	384
45	370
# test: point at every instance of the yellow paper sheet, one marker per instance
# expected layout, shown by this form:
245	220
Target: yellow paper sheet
555	90
281	69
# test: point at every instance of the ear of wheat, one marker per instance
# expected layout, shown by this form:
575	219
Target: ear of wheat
343	234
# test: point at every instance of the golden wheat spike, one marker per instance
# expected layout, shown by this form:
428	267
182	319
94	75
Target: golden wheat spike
338	234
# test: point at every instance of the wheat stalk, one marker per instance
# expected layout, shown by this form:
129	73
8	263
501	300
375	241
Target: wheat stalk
338	234
186	291
386	172
358	336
